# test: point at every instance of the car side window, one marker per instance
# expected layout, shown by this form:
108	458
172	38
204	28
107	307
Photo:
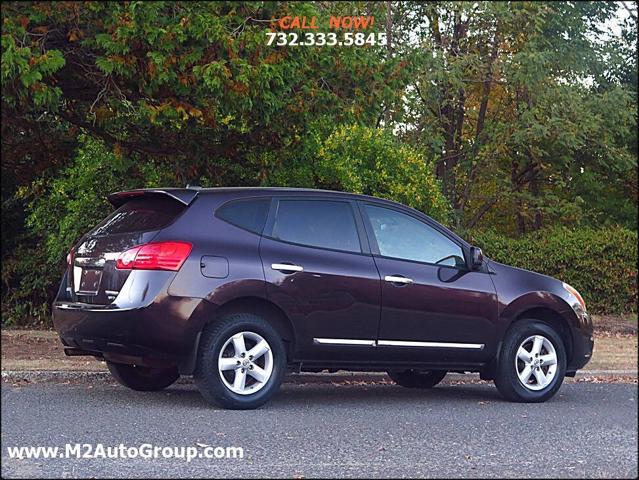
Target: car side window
248	214
317	223
404	237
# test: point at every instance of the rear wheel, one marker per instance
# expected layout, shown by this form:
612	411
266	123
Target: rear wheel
241	362
532	362
143	379
417	379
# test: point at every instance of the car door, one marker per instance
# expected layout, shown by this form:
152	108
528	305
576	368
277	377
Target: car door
320	273
433	307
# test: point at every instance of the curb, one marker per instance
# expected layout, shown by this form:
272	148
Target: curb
35	376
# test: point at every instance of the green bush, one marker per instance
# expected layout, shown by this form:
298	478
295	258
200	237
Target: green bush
374	162
63	208
600	263
370	161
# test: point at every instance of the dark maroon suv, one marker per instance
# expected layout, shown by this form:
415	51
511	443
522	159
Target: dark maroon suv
235	285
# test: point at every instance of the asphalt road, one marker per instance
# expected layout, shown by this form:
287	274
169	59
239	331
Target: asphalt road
589	430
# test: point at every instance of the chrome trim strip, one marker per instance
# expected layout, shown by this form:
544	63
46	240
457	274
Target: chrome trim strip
395	343
65	306
344	341
89	261
401	343
99	261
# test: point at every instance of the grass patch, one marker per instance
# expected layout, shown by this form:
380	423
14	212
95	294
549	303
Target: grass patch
614	352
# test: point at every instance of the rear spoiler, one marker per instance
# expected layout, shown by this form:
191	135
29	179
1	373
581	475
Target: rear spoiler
183	195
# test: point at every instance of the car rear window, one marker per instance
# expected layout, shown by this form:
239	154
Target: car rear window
139	215
247	214
317	223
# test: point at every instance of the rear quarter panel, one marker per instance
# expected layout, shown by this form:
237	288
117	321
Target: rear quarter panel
212	237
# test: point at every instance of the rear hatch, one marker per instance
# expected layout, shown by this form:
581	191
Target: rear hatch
92	276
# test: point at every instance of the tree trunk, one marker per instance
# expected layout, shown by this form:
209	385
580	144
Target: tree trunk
534	189
481	119
521	220
389	47
454	121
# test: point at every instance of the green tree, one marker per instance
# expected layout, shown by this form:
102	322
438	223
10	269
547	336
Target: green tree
523	107
188	88
524	111
60	210
365	160
373	162
193	83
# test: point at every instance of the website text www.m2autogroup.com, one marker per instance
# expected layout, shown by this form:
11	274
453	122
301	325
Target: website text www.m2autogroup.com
121	451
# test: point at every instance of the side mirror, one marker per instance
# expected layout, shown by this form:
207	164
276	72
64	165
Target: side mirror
476	258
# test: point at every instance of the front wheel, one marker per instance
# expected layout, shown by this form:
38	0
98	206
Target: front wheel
532	362
143	379
417	379
241	362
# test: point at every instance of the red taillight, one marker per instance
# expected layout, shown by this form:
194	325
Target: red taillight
70	257
154	256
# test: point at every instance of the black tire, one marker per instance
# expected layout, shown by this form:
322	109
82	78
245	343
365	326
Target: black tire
507	378
208	377
416	379
143	379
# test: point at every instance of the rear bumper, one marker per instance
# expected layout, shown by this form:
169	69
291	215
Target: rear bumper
160	333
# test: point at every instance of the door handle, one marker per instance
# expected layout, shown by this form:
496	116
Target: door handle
398	279
286	267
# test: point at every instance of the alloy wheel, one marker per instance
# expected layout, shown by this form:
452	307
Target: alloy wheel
245	363
536	362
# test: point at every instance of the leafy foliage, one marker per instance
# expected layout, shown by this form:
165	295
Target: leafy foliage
526	107
374	162
61	210
522	113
